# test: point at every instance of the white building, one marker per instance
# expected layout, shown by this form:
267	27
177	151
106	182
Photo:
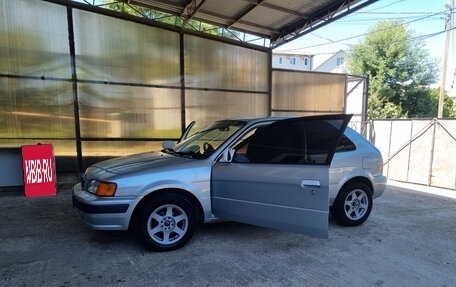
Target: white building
296	60
330	63
305	61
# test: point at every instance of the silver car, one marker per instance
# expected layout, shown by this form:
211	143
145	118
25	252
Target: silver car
285	173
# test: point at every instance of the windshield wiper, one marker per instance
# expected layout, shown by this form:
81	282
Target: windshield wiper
168	151
190	154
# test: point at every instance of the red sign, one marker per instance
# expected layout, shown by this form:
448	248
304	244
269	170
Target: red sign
38	164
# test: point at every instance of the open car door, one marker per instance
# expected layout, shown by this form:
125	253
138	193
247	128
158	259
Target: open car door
278	177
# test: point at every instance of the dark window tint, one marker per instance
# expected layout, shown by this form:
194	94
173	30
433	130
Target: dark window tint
345	144
297	141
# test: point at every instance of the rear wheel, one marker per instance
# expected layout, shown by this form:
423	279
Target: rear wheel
166	222
353	204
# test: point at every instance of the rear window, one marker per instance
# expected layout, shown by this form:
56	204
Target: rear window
345	144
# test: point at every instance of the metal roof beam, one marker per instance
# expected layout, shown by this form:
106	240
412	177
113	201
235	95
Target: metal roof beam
192	8
310	25
216	15
173	11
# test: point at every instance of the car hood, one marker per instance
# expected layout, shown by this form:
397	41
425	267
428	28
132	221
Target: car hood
132	163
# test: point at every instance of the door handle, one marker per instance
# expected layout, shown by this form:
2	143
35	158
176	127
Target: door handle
310	183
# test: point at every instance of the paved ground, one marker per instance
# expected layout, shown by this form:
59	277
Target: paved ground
409	240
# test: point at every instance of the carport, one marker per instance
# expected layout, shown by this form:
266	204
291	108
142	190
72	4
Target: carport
98	83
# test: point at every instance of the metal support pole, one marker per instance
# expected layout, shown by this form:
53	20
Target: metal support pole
270	71
409	150
182	79
431	160
389	147
77	126
449	6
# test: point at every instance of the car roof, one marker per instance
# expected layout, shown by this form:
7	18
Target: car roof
255	119
260	119
251	120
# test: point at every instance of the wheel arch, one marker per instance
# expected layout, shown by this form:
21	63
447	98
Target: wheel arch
181	192
360	179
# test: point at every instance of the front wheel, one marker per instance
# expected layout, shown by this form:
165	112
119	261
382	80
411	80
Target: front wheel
353	204
166	222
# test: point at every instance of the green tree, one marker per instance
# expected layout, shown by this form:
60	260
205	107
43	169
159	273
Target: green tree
399	70
423	103
168	18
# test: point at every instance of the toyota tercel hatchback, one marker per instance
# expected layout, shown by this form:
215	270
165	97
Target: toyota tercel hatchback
285	173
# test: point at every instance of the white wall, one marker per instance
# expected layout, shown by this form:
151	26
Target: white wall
334	64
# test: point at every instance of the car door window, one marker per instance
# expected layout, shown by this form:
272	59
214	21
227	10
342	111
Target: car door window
242	145
290	141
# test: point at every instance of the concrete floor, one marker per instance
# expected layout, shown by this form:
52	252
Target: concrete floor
409	240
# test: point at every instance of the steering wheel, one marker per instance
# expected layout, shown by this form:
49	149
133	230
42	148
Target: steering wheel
208	149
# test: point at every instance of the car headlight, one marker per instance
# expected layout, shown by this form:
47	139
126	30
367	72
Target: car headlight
101	188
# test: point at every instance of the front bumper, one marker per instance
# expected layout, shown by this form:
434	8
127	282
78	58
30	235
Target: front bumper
103	213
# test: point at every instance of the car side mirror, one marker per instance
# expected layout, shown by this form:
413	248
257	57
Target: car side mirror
168	144
227	155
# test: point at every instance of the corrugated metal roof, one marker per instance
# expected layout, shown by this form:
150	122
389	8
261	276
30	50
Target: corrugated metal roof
280	21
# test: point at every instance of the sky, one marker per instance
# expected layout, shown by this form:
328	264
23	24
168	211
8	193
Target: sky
425	18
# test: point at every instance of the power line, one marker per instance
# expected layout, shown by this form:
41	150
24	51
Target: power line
437	16
364	34
395	13
386	6
413	39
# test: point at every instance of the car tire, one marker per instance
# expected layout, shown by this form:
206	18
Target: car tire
166	222
353	204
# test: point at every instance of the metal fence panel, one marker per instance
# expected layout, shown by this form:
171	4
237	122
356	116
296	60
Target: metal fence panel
400	134
444	157
418	151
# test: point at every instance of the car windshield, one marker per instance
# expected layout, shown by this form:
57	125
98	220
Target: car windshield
203	143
